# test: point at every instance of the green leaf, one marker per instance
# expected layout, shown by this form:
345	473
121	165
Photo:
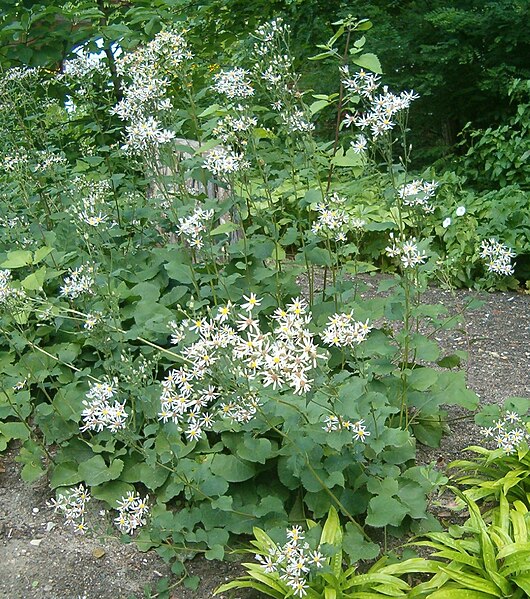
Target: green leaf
95	471
32	471
290	236
111	492
265	543
152	476
213	108
459	594
332	531
231	468
14	430
312	196
357	547
255	450
17	259
384	510
318	256
225	228
41	253
318	106
223	503
65	474
428	433
451	361
368	61
523	582
471	581
35	280
330	593
247	583
422	378
348	159
214	486
426	349
451	389
31	456
192	582
216	552
179	272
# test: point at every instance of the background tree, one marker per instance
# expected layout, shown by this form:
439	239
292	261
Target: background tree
459	55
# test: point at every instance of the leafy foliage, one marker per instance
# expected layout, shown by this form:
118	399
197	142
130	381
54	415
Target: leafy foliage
167	193
486	558
328	576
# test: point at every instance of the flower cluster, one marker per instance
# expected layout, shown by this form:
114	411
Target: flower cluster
91	208
7	292
498	257
274	67
15	161
146	133
233	83
224	161
40	162
343	331
383	107
92	319
230	128
359	144
268	33
22	73
294	561
275	71
407	250
232	345
192	227
15	229
508	433
333	220
418	193
297	122
139	370
99	413
132	512
358	429
148	71
362	83
79	281
143	97
46	160
84	65
72	505
168	50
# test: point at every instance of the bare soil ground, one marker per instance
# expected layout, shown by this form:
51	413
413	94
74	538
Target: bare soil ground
40	559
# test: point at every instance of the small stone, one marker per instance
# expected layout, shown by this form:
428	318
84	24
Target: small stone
35	542
50	526
47	588
98	552
35	510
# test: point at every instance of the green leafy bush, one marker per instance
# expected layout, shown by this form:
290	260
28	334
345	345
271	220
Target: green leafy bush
315	568
498	157
486	558
505	469
182	315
